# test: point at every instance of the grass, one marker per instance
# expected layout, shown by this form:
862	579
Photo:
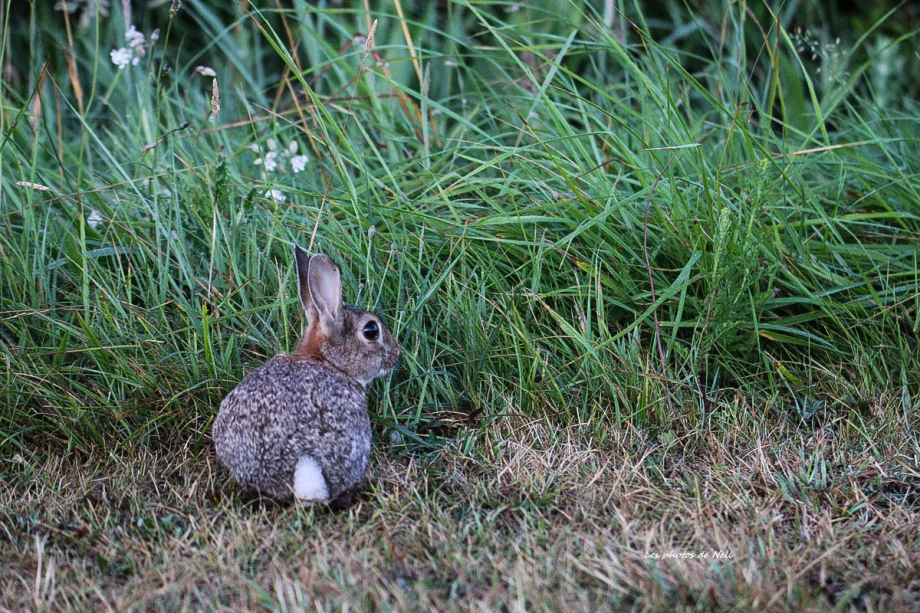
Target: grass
655	279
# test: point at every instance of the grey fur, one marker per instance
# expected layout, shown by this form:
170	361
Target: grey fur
311	402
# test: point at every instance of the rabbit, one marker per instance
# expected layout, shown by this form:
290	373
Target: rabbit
297	427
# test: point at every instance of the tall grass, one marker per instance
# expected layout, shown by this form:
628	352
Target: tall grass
579	213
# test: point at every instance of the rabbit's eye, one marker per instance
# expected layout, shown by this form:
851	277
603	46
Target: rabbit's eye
371	331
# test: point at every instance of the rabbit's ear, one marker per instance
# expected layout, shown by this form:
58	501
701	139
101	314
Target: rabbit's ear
303	284
326	292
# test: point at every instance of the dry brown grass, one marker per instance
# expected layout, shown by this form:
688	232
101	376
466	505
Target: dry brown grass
810	519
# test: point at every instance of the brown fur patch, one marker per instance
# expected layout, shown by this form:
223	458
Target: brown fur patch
310	346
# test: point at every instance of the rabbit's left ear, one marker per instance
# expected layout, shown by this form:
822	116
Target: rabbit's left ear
303	284
325	283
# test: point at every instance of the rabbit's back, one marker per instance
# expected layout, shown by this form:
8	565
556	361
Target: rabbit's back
288	409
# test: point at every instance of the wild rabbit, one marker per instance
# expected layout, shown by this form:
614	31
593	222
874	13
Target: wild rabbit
298	427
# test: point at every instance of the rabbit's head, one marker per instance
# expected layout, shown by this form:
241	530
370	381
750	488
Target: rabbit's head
339	337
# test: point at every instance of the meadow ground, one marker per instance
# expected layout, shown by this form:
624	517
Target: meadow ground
653	267
745	519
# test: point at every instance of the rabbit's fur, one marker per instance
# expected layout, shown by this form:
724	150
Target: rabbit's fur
298	425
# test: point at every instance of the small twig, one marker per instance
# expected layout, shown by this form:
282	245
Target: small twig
408	37
153	145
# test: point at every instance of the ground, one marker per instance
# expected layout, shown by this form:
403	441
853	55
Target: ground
795	517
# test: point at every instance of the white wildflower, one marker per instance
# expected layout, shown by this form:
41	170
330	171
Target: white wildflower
95	218
136	49
122	57
269	162
135	39
298	163
282	159
275	194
